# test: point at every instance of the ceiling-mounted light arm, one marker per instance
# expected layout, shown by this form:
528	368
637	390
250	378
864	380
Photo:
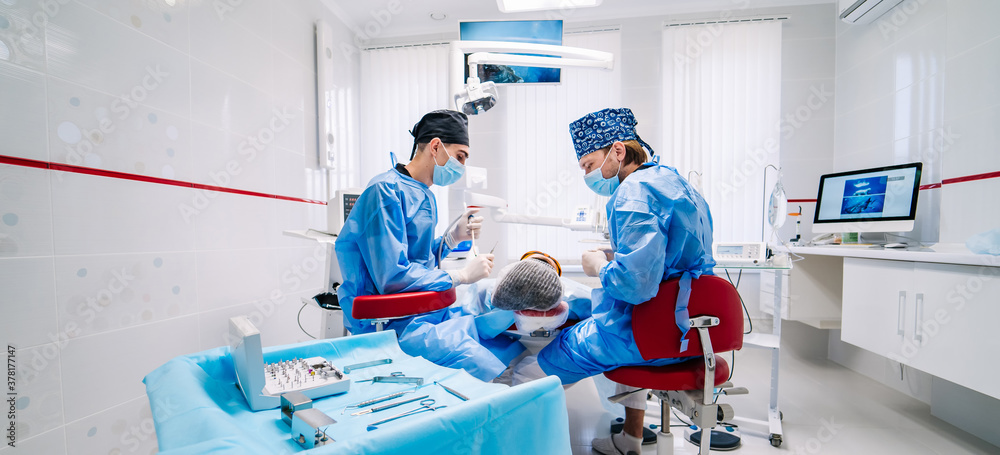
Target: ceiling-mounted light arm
473	97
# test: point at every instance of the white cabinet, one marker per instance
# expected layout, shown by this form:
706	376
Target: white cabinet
811	292
876	301
937	318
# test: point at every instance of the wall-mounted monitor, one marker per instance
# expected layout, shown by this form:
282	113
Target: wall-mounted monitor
880	199
538	32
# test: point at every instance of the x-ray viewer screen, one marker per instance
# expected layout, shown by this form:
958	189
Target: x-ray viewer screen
886	193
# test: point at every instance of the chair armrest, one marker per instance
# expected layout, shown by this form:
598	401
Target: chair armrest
401	305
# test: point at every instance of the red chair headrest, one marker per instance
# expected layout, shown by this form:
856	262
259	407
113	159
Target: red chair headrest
401	305
656	333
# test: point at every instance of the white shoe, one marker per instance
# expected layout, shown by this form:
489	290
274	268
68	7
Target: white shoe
615	445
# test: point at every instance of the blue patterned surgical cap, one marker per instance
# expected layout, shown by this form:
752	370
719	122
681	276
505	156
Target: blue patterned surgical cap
600	129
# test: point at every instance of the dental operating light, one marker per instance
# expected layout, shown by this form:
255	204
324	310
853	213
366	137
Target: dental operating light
477	97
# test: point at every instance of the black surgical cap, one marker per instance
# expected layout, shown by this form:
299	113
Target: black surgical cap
452	127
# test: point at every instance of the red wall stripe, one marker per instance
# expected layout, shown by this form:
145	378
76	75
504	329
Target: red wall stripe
25	162
969	178
142	178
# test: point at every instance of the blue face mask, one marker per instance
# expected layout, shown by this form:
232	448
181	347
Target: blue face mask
450	172
595	179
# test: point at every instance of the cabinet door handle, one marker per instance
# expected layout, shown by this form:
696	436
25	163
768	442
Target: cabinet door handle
901	315
918	333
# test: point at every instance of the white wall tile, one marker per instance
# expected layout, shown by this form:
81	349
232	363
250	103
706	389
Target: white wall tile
252	15
126	428
160	20
920	55
22	113
919	108
39	389
88	48
972	145
807	59
908	17
231	47
972	80
93	382
298	216
29	301
962	210
227	278
812	140
101	215
234	221
232	161
867	126
99	293
805	100
23	39
808	22
294	34
50	443
865	82
294	83
26	214
301	269
971	23
89	128
228	103
289	173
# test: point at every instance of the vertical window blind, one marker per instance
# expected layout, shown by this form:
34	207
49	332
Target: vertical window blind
544	177
721	108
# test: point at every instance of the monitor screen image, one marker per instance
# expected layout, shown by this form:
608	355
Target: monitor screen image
538	32
868	200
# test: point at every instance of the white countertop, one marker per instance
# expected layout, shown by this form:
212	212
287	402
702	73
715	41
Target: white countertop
944	253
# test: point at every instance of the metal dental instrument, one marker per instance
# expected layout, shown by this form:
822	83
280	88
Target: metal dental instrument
358	366
388	406
474	252
395	378
425	405
494	247
453	391
377	400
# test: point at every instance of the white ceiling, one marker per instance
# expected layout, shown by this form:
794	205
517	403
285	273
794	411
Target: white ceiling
413	17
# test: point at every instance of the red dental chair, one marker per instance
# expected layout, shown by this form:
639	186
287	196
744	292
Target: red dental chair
716	327
380	309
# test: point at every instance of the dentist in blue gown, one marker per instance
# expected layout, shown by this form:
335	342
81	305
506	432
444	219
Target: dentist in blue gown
660	228
387	246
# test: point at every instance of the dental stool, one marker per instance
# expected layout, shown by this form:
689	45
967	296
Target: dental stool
380	309
716	327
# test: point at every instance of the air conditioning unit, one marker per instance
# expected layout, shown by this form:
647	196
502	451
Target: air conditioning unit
864	11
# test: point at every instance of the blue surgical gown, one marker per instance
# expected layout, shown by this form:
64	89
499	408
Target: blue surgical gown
387	246
660	228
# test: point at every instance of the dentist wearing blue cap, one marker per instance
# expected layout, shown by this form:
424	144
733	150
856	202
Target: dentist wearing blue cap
660	228
387	246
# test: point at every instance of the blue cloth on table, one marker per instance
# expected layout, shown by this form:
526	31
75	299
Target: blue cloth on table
198	409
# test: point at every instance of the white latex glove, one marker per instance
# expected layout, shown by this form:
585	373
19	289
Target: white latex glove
467	227
479	267
593	262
